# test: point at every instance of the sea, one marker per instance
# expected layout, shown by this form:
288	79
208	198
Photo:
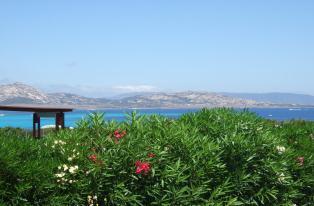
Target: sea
24	119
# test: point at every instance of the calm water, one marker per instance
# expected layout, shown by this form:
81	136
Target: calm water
24	120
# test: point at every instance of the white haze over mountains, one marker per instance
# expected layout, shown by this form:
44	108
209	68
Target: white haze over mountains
5	81
98	91
136	88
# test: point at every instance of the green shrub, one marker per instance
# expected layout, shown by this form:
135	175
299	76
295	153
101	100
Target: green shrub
211	157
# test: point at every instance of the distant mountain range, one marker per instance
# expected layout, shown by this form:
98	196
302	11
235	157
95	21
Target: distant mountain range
276	97
19	93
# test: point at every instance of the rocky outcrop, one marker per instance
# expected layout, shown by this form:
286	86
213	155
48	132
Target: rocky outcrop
22	93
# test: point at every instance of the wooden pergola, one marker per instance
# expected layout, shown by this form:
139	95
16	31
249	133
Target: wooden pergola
40	111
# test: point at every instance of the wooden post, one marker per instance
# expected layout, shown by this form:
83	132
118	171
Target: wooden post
38	125
57	121
62	119
34	125
36	130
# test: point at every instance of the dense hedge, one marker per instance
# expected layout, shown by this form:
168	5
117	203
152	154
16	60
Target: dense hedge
211	157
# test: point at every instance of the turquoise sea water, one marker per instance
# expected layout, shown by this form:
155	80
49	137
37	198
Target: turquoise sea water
24	120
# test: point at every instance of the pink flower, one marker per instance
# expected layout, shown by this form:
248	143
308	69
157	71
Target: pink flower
142	167
151	155
93	158
138	163
119	134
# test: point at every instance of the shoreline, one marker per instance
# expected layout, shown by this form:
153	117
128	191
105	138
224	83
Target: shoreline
92	108
191	108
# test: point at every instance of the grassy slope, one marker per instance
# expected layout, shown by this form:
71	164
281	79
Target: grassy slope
212	157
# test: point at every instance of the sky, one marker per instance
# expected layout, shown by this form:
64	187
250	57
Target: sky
105	47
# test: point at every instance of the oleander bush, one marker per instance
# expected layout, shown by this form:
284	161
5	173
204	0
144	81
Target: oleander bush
211	157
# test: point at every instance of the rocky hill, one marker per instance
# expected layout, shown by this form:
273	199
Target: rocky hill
188	99
276	97
19	93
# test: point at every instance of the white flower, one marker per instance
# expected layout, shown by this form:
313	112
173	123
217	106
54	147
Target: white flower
59	142
70	181
95	197
72	170
70	158
280	149
60	174
65	167
87	172
59	167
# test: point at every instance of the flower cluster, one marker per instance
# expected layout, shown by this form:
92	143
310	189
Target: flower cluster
280	149
278	126
66	171
75	154
95	159
58	142
118	135
142	167
92	200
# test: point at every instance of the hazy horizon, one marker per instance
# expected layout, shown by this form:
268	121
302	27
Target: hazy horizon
99	92
105	48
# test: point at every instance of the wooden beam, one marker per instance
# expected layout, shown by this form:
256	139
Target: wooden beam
34	108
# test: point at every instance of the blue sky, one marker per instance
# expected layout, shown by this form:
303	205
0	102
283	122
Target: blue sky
159	45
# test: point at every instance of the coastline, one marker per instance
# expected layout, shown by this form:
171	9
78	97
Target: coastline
190	107
193	108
